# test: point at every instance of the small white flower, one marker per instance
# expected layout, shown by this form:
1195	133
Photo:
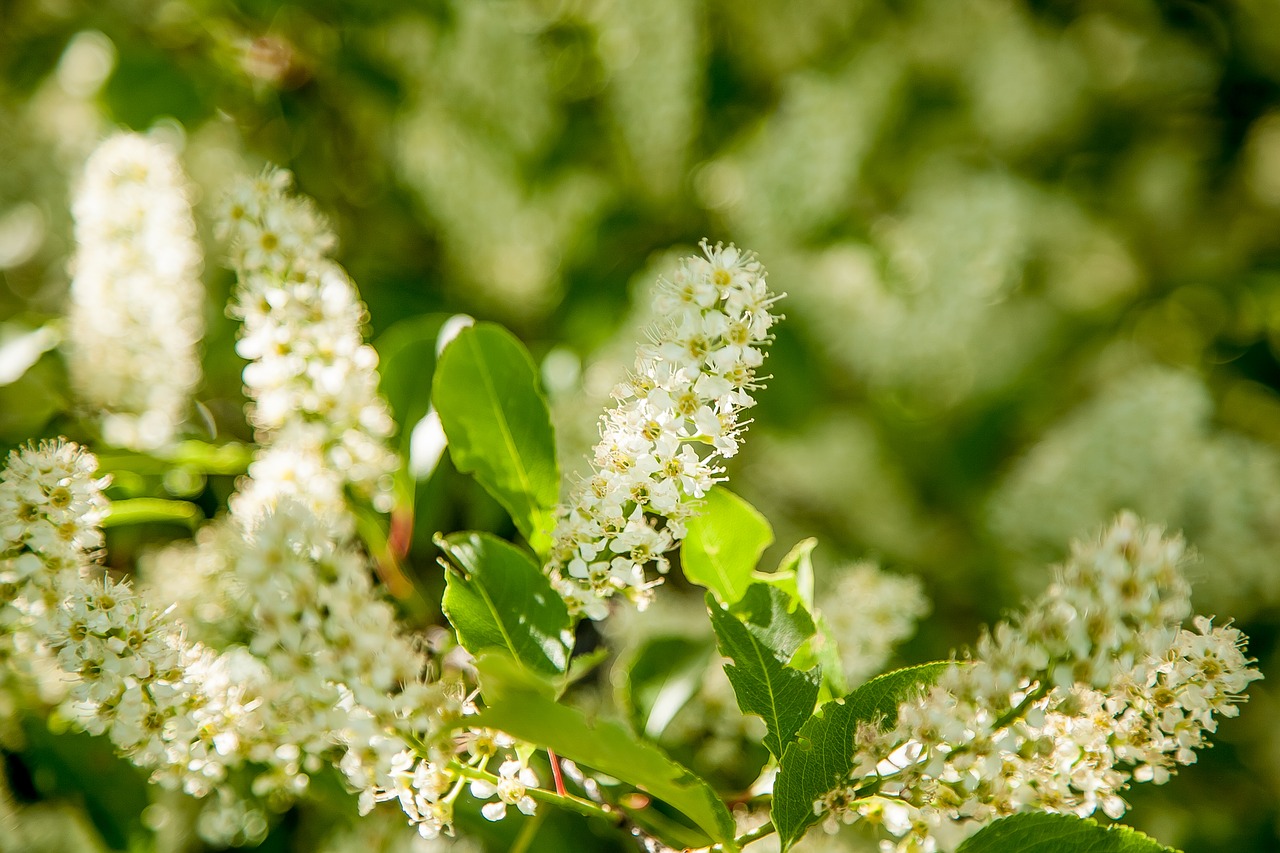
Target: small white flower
514	780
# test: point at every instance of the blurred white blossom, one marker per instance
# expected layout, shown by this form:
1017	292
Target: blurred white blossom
868	612
1146	439
137	302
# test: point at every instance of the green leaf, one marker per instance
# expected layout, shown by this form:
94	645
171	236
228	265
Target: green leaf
794	574
496	597
498	425
821	756
406	365
659	679
29	402
1041	832
584	664
724	544
825	651
761	634
518	706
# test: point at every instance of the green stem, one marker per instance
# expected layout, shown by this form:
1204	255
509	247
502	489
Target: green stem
762	831
203	457
1013	714
151	510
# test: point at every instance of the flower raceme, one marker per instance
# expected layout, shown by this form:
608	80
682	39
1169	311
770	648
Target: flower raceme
1095	686
323	673
311	377
125	667
136	315
690	385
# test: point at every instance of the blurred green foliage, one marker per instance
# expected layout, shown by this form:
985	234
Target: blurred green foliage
1032	250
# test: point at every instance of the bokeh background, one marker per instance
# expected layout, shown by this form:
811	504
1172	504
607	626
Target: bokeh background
1031	247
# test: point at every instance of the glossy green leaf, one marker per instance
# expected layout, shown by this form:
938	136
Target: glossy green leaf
761	634
1040	832
498	425
821	756
496	597
31	400
519	705
724	544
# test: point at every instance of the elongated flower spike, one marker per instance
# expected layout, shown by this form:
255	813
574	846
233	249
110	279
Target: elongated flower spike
1094	687
311	377
689	388
137	302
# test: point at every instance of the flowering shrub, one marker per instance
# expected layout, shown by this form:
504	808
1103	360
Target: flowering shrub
283	660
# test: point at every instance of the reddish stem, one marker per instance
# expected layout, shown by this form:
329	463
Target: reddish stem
401	535
555	771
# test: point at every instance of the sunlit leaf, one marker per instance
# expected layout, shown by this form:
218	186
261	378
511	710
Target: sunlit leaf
724	543
496	597
1041	832
498	425
760	635
520	706
659	679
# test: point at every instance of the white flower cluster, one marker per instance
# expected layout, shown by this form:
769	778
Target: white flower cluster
136	680
868	612
127	669
336	674
321	673
689	387
336	678
311	376
50	507
426	788
1093	687
137	302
